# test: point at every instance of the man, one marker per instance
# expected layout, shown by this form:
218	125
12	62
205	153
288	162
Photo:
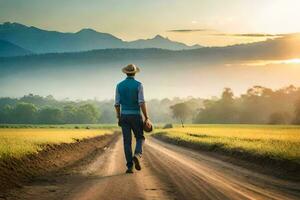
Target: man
129	102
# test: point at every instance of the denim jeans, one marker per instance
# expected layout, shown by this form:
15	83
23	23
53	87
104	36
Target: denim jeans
134	123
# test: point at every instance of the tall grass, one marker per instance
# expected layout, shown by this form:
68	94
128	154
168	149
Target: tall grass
276	142
17	142
76	126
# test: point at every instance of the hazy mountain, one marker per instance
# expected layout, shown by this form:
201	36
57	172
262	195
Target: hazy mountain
160	42
285	47
272	49
10	49
43	41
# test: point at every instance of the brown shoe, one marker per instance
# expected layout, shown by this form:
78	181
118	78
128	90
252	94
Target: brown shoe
136	163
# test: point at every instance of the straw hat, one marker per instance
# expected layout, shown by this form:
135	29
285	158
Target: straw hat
130	69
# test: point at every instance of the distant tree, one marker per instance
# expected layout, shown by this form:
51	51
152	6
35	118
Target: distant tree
256	105
6	101
50	116
87	114
107	113
6	114
227	95
227	109
297	112
25	113
209	113
219	111
278	118
69	114
34	99
40	101
181	111
255	91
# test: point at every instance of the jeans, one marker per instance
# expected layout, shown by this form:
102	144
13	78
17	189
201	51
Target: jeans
134	123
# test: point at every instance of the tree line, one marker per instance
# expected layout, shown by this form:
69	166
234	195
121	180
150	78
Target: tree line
28	113
35	109
259	105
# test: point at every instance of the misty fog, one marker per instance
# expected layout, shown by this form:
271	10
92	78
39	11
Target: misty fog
160	80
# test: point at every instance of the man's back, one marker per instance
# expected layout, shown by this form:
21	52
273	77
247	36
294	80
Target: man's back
129	94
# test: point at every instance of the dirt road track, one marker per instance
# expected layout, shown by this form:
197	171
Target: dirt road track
169	172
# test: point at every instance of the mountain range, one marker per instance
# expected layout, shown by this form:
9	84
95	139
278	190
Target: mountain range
37	41
281	48
17	40
9	49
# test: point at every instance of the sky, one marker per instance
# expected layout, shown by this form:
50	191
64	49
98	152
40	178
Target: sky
204	22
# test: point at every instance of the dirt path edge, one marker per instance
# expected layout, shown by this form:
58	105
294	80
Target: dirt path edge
14	172
279	168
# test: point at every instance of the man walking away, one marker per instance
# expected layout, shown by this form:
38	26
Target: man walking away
129	100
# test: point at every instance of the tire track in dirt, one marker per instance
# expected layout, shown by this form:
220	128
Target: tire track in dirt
196	176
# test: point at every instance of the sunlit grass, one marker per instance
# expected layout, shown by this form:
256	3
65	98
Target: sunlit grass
72	126
17	142
279	142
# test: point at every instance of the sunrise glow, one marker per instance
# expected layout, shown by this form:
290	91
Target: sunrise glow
293	61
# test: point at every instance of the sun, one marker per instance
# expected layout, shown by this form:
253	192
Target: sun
292	61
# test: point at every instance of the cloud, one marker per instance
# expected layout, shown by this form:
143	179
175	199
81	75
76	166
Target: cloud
189	30
212	32
247	35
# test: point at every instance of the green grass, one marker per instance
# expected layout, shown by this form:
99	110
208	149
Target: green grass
264	141
17	142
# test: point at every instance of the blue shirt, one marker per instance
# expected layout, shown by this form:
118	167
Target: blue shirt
129	95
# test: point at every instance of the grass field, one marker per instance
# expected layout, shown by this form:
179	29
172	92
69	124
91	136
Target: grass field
17	142
265	141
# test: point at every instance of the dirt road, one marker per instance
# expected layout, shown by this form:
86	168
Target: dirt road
169	172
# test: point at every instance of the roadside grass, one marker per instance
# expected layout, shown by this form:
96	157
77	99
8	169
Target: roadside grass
18	142
61	126
281	143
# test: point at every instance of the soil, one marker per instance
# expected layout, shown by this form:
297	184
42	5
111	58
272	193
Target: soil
15	172
285	169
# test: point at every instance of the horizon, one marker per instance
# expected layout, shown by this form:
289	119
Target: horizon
260	36
185	98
